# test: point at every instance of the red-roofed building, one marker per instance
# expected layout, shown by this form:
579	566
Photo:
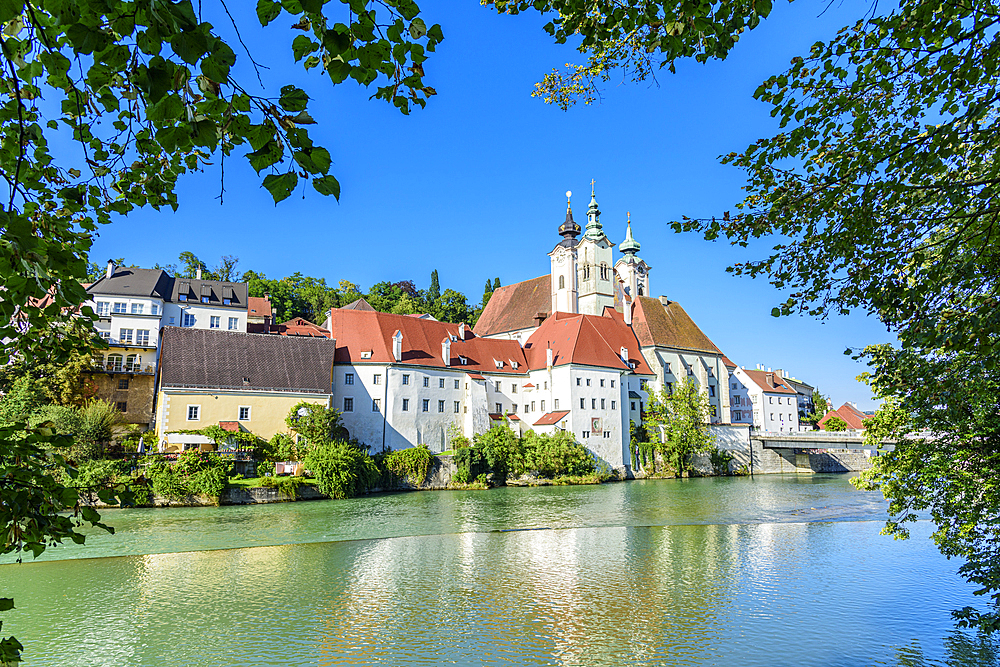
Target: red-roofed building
854	418
773	403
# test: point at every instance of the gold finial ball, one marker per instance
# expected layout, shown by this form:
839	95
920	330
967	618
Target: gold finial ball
569	193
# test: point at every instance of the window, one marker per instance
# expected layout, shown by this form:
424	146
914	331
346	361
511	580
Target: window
458	384
406	378
496	386
244	413
137	309
172	321
440	383
607	434
204	299
188	320
711	373
772	416
612	405
588	382
532	406
103	308
348	404
602	382
586	434
543	406
348	378
513	388
714	413
227	302
562	282
578	382
406	405
182	297
214	322
670	388
427	405
376	405
555	405
457	407
125	335
123	383
612	384
440	406
711	390
602	404
770	399
120	307
666	368
114	362
121	406
377	379
593	404
633	406
545	385
513	408
583	403
194	413
499	407
642	384
234	323
427	382
142	336
690	371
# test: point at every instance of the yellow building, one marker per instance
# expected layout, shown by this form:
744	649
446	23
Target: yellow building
207	377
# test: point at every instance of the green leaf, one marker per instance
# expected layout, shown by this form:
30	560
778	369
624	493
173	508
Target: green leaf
775	312
417	28
9	9
190	46
327	185
267	11
314	6
293	99
281	185
302	45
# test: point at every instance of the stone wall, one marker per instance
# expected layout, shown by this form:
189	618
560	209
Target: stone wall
137	397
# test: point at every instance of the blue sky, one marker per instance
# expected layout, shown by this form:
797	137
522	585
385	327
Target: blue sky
474	184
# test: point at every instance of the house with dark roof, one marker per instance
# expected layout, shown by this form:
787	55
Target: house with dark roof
208	377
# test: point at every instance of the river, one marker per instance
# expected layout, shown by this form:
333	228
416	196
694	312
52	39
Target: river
774	570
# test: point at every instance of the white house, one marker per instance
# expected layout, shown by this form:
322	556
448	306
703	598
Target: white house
774	404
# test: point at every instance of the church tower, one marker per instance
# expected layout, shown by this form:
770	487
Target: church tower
564	264
633	272
594	269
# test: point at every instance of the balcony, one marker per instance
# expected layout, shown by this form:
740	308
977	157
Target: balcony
119	367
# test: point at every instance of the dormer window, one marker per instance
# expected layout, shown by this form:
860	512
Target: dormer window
498	364
513	365
204	299
182	297
366	354
463	360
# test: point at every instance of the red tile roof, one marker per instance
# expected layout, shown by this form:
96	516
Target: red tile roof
359	330
584	339
760	379
514	307
496	416
513	418
258	306
728	362
855	418
359	304
233	427
299	326
668	326
552	418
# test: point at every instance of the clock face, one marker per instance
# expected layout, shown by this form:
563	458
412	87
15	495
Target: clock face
641	271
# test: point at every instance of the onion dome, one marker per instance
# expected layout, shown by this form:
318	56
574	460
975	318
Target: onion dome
569	229
629	246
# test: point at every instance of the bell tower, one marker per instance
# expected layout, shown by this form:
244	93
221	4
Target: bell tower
594	269
564	264
632	271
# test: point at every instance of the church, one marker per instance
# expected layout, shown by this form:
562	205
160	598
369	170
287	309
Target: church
579	349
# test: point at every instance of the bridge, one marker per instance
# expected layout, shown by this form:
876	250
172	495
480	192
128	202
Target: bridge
816	451
815	440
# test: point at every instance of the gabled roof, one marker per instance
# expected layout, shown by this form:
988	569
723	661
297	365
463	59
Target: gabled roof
514	307
134	281
776	386
258	306
300	326
216	359
360	304
855	418
668	326
584	339
359	331
552	418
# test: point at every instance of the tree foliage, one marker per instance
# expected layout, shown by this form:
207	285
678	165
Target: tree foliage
679	421
835	423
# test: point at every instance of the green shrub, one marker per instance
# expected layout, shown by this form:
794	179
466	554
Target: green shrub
285	485
720	460
341	469
98	419
502	450
556	454
194	473
469	464
410	464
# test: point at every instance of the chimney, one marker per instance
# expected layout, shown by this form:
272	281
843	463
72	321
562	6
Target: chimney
548	358
665	301
197	274
769	377
446	351
111	269
624	354
397	345
627	312
461	331
539	318
779	373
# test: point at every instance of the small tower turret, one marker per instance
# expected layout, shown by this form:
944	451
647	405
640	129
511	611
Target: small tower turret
632	271
564	260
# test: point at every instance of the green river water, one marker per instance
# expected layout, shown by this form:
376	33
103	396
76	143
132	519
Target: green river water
774	570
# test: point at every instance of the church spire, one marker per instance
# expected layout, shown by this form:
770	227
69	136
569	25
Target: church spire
629	246
594	229
569	229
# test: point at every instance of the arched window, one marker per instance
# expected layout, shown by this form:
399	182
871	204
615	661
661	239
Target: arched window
562	282
641	293
131	363
586	272
604	271
114	362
